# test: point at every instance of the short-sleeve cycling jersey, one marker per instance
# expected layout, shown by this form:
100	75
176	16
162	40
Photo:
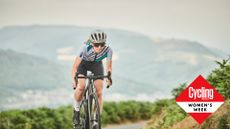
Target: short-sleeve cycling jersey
87	53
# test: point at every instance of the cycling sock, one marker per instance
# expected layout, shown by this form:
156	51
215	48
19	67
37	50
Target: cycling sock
77	105
94	116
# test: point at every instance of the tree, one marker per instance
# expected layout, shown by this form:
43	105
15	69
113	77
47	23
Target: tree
220	78
176	91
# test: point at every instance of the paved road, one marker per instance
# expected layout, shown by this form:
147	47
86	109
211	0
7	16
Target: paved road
138	125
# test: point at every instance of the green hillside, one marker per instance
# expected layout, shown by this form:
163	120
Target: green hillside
21	72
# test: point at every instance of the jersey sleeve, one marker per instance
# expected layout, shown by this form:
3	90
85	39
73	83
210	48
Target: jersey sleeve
110	54
82	51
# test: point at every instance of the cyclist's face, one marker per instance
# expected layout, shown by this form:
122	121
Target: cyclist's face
98	47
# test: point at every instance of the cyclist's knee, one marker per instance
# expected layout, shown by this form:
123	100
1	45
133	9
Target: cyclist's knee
99	92
81	87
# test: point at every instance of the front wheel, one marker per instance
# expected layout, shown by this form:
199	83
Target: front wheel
94	112
83	117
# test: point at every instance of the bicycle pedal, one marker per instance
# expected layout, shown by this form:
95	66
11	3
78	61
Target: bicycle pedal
77	126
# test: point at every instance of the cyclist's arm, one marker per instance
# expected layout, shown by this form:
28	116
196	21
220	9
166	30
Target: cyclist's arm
109	66
109	69
109	61
77	62
75	67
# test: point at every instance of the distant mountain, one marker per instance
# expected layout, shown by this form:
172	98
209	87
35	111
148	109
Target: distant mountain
22	72
19	68
219	52
144	68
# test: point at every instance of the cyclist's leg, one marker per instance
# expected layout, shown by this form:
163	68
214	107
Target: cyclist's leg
97	69
78	93
99	88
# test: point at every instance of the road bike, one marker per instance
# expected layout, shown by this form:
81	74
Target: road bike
89	108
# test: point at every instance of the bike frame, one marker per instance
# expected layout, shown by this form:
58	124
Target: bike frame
89	89
90	92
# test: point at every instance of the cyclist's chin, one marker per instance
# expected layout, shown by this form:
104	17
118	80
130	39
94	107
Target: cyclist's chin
97	50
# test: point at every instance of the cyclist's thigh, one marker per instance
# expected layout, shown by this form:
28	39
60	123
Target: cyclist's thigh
82	71
99	86
81	82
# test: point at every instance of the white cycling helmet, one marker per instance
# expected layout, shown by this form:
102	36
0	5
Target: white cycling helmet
98	36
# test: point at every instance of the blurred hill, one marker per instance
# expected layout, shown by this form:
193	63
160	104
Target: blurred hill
145	68
25	79
22	71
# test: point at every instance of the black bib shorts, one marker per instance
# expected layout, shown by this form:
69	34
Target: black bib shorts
95	67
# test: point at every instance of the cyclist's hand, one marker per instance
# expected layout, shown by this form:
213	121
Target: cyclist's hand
74	84
75	81
109	80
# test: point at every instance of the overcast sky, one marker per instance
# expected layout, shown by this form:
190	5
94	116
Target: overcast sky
205	21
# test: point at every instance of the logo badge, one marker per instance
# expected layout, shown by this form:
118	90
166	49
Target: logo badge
200	99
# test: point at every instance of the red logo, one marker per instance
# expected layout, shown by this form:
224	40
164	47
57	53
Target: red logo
200	99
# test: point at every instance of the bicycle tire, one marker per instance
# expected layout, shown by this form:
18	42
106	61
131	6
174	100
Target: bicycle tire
84	116
94	114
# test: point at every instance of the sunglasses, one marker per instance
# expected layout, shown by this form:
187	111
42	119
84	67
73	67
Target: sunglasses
99	44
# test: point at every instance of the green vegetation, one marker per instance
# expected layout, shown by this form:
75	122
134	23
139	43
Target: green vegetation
220	78
223	122
171	114
176	91
41	118
61	118
114	112
118	112
166	115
